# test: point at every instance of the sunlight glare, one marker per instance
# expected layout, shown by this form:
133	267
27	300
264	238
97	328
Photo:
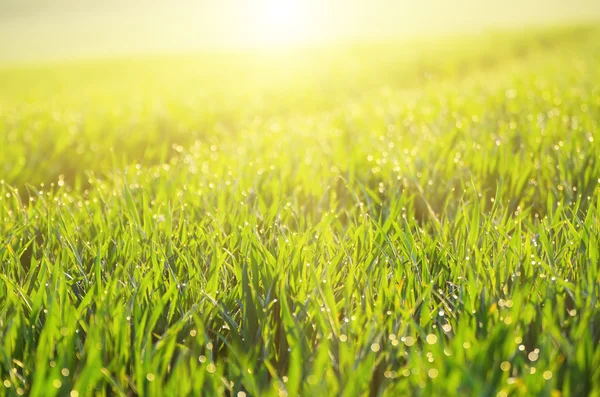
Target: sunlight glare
281	23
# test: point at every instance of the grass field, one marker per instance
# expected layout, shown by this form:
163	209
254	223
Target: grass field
418	218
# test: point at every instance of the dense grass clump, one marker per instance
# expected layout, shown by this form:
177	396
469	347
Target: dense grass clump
391	220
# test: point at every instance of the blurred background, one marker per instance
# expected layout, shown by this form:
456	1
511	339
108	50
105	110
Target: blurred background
32	30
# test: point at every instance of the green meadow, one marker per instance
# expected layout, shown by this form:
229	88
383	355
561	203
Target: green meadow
401	218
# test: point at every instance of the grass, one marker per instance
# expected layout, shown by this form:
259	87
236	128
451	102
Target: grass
392	220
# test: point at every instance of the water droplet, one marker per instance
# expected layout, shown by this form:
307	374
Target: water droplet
431	339
532	356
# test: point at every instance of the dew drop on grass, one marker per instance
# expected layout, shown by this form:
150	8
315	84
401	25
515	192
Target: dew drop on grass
505	366
375	347
150	377
547	375
431	339
432	373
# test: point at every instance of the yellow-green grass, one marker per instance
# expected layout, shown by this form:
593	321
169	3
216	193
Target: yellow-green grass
391	219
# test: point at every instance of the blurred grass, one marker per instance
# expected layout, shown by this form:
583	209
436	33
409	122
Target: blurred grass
393	219
141	107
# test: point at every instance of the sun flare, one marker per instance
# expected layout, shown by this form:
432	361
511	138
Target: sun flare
281	23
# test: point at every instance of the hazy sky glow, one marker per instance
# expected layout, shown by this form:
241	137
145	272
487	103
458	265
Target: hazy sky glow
31	29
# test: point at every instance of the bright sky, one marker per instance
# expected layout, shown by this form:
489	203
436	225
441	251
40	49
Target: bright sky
33	29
